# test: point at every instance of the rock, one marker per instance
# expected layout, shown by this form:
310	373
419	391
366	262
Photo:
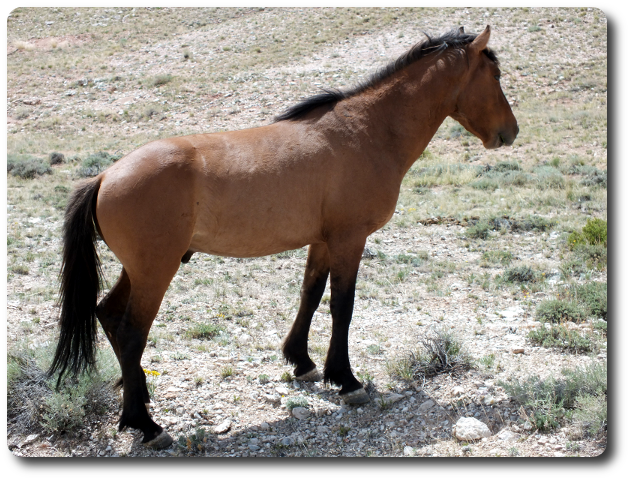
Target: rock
393	398
222	427
300	413
507	436
273	399
518	350
458	390
527	426
30	439
282	390
264	426
408	451
286	441
468	428
424	406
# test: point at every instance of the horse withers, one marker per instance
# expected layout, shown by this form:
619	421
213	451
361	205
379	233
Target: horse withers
326	173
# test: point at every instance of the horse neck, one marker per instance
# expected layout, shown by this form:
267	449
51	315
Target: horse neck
401	115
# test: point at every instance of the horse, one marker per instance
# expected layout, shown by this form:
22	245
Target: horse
325	173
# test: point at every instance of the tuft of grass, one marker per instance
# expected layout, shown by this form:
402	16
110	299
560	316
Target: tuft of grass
56	158
440	353
227	371
159	80
593	296
204	330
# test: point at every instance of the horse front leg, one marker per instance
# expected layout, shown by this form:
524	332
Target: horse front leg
345	257
295	346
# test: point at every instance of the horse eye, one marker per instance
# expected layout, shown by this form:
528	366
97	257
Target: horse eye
497	77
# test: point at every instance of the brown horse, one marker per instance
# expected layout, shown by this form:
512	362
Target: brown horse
326	173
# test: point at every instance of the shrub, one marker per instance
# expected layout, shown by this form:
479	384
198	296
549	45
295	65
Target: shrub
559	336
26	167
34	403
548	177
520	274
594	297
551	400
480	230
557	311
293	402
441	353
595	232
96	163
56	158
161	80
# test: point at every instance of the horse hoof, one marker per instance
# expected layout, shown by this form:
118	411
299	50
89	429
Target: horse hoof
357	397
163	440
312	376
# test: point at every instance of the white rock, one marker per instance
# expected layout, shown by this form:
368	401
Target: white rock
282	390
458	390
408	451
223	427
424	406
468	428
300	413
30	438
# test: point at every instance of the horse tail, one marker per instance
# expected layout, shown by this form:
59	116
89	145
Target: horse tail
81	281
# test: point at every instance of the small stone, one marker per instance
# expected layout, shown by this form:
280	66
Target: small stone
264	426
222	427
527	426
458	390
408	451
424	406
282	390
393	397
286	441
468	428
518	350
300	413
273	399
507	436
30	438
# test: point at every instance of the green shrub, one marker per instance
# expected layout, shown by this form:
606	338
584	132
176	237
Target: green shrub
34	403
551	401
96	163
557	311
595	232
548	177
493	257
594	297
480	230
27	167
520	274
559	336
293	402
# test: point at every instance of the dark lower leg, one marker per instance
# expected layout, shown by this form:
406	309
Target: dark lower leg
112	307
131	341
344	266
295	347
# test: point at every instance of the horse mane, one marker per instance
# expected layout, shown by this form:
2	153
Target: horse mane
455	39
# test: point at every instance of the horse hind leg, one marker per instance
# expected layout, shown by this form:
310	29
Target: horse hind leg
145	297
110	312
295	346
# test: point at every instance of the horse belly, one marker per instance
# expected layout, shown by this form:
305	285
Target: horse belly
263	225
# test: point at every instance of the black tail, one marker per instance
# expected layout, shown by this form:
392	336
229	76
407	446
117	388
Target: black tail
80	284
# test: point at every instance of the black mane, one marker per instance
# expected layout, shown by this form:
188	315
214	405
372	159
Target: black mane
455	39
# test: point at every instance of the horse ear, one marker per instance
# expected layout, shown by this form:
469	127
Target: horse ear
461	30
481	41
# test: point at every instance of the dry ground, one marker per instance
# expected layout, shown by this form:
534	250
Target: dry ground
81	81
